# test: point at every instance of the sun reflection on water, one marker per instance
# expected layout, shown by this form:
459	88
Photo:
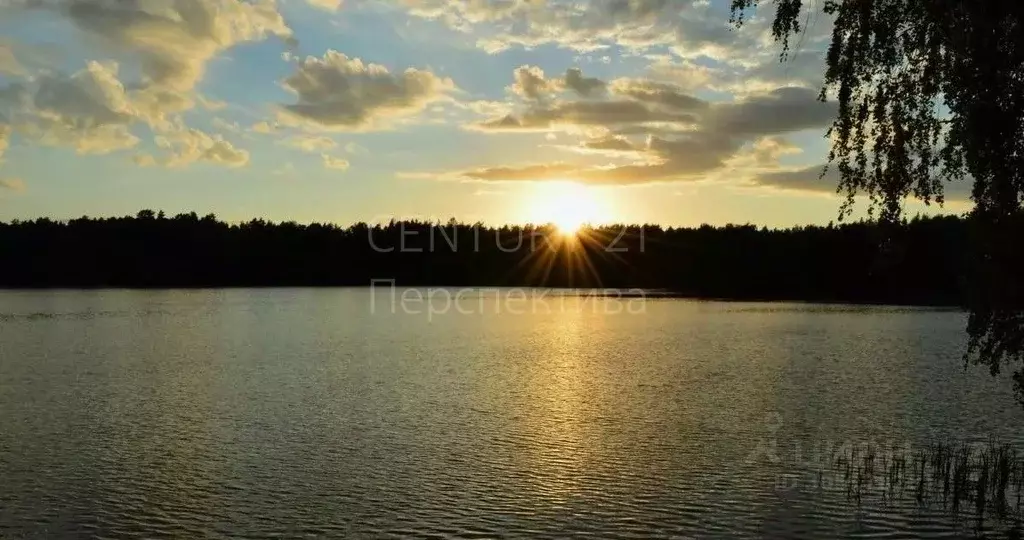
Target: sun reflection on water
557	422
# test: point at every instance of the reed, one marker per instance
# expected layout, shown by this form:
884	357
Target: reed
986	479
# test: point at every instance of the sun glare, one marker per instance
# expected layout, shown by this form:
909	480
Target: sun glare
567	205
568	226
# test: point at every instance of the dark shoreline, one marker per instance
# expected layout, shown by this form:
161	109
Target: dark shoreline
649	294
924	262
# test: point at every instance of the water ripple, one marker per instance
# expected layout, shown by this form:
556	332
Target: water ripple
249	415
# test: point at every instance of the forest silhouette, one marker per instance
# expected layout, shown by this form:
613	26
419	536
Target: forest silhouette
923	261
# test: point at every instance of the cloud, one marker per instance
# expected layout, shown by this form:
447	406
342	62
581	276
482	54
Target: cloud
264	127
584	86
174	39
89	111
550	171
667	160
341	93
681	72
685	158
802	69
664	94
458	12
801	179
613	143
326	5
679	35
663	132
187	146
810	180
12	184
583	113
486	107
530	83
223	153
691	27
331	162
779	111
612	146
645	102
171	41
168	44
311	144
91	97
767	151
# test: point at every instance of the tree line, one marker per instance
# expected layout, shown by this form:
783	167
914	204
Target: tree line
923	261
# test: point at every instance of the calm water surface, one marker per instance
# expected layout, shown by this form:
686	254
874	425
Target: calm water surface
304	413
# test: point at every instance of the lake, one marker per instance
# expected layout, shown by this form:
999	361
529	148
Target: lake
264	413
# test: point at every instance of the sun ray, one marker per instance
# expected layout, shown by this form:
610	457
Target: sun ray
572	235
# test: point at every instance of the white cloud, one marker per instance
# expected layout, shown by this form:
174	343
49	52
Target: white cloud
174	39
171	41
656	131
186	146
327	5
691	27
679	35
572	114
684	73
486	107
663	94
622	104
264	127
331	162
92	112
768	150
685	158
89	111
168	42
610	145
91	97
530	83
340	93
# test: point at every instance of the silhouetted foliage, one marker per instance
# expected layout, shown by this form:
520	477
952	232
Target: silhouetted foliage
983	479
831	263
932	91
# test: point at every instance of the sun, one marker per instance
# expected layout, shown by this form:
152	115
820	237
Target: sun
567	205
568	225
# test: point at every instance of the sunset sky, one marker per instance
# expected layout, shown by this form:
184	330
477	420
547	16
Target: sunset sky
343	111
